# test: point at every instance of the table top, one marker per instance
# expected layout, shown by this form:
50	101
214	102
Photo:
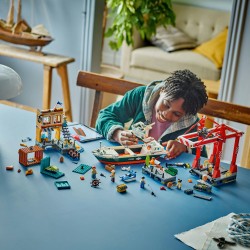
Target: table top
34	56
36	215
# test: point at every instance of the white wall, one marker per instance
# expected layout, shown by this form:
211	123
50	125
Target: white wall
242	86
64	20
241	90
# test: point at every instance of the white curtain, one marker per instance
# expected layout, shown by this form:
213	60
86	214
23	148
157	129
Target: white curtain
232	50
91	51
230	83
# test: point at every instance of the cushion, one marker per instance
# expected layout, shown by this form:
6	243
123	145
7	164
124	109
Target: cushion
171	39
214	49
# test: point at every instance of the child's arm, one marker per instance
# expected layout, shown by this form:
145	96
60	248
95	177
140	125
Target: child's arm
113	117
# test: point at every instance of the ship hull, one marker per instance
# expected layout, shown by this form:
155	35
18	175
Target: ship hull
123	160
134	154
18	39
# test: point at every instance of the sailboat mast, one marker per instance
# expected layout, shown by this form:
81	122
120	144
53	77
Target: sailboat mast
10	17
19	11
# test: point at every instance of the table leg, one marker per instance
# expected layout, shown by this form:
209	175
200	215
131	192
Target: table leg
47	84
62	72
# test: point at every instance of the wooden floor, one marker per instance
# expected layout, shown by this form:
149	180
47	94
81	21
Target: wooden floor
17	105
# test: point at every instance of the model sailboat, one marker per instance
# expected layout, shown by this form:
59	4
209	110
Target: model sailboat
20	32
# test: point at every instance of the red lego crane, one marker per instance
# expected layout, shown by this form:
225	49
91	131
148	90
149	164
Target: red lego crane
216	135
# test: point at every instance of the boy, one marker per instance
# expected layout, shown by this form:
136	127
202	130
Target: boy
171	104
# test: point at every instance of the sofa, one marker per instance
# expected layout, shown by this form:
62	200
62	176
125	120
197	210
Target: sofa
145	61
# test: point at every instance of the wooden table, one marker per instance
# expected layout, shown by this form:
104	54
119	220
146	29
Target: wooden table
35	213
49	61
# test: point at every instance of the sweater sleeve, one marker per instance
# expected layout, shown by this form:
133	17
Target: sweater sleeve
117	114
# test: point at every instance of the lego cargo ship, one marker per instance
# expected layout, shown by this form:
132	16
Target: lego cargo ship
133	154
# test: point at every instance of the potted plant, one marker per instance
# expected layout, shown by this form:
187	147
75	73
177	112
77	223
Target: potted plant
142	15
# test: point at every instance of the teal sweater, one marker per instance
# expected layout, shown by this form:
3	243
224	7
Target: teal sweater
137	105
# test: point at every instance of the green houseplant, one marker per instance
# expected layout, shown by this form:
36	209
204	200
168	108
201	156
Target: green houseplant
142	15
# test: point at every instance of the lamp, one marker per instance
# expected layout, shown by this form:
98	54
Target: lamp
10	83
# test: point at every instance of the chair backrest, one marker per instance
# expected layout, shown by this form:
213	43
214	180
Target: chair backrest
101	83
215	108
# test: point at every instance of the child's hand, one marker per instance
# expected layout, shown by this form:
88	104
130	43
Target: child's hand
174	148
125	137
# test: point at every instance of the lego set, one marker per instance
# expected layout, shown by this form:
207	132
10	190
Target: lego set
49	170
130	176
24	153
134	154
141	130
217	135
164	175
52	132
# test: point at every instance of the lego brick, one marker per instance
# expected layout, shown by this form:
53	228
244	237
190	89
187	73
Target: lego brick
62	185
82	169
55	175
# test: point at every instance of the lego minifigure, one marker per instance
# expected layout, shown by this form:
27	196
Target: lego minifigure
210	170
142	182
179	184
112	175
204	177
152	161
94	172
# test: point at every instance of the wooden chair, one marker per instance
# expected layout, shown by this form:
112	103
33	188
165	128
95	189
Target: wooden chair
215	108
102	84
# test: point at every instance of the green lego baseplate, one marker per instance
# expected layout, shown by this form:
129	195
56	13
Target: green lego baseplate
82	169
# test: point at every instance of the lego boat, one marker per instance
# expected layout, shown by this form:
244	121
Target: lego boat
141	130
133	154
131	176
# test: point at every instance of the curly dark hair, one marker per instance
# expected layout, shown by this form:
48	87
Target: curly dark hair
185	84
